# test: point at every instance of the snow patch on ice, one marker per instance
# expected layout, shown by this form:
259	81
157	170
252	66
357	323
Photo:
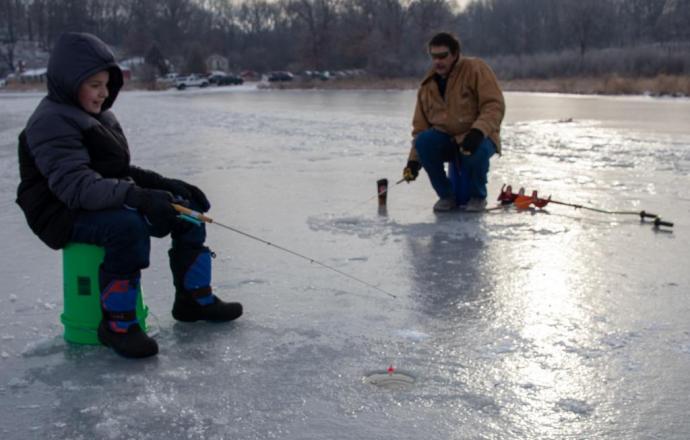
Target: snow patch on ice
44	347
481	402
251	282
584	352
359	226
412	334
109	428
177	373
617	340
17	382
576	406
46	305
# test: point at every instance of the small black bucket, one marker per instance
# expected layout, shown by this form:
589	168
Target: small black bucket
382	190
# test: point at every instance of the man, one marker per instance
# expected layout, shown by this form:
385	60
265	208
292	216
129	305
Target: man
457	120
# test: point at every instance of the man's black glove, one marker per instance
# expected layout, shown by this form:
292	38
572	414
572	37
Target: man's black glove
471	142
186	191
155	205
411	170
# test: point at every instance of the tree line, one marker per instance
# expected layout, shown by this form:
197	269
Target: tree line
386	37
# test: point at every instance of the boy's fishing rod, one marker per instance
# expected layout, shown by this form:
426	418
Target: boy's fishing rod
197	217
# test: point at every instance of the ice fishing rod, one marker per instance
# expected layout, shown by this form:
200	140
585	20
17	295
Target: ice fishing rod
522	201
197	217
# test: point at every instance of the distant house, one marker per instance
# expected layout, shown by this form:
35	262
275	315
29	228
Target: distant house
131	67
217	62
132	62
126	72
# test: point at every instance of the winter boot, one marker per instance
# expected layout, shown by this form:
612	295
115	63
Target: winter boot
119	328
445	204
194	299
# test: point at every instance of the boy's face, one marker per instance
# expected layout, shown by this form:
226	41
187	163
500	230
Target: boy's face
93	92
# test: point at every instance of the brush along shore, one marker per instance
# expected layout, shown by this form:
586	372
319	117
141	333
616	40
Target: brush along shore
661	85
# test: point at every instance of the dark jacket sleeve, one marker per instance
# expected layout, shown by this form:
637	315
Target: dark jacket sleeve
56	144
146	178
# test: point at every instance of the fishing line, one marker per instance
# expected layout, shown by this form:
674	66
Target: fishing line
199	217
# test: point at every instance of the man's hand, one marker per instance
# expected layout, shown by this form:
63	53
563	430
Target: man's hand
471	142
411	170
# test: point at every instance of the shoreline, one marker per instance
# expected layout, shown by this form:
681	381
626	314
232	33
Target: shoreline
659	86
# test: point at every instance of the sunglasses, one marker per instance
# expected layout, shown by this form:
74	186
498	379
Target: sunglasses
439	55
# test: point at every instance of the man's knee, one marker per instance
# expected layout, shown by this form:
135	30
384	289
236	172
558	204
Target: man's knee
429	139
480	158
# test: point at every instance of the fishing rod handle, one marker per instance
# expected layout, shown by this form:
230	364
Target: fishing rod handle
190	212
658	222
645	214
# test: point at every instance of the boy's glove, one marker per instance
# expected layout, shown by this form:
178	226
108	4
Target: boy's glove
155	205
471	142
411	170
186	191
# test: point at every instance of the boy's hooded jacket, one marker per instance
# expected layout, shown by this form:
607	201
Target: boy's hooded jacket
71	160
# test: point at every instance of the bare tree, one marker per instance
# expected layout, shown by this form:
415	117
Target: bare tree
386	36
8	38
315	18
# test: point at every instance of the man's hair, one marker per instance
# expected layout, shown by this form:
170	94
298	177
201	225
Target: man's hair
446	39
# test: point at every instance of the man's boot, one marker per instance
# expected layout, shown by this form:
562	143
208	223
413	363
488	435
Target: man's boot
445	204
194	299
119	328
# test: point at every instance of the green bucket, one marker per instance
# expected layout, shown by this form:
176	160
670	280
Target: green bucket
82	309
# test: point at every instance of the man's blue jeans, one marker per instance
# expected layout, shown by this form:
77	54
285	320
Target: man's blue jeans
434	148
126	237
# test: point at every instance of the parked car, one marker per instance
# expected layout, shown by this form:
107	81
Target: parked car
215	76
230	80
250	75
280	76
192	80
316	74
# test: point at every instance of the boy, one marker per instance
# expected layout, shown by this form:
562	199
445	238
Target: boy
77	185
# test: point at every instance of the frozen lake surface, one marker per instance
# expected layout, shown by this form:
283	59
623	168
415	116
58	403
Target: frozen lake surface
531	325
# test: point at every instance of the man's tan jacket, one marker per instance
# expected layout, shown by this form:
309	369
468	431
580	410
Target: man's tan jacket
473	99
